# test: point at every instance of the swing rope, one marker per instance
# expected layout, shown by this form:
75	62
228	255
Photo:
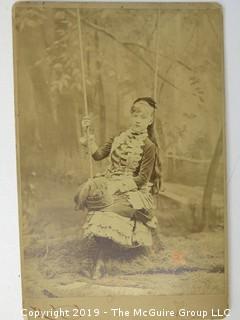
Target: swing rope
84	86
155	85
156	60
84	79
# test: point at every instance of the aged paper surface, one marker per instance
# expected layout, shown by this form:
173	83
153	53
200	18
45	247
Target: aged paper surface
121	159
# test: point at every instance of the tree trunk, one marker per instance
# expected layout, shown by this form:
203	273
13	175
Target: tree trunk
41	95
209	187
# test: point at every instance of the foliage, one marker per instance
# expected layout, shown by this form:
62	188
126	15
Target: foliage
120	60
29	18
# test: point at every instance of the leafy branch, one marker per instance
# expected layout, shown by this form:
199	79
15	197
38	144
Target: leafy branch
126	46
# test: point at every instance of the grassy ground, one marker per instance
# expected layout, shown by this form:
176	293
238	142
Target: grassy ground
56	263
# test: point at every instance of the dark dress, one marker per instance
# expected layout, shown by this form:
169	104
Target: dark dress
128	220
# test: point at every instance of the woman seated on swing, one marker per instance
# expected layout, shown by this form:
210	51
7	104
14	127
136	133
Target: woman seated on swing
120	202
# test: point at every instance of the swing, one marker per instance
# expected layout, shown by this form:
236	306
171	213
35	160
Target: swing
90	182
118	208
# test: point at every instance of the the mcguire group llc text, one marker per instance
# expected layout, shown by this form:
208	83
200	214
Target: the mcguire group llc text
81	313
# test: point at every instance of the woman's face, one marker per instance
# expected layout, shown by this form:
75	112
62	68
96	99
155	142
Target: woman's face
141	116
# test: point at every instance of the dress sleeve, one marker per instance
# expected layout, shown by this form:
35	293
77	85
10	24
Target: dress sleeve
103	151
147	165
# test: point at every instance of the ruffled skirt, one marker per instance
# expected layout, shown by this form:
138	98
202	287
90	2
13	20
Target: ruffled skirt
126	220
122	230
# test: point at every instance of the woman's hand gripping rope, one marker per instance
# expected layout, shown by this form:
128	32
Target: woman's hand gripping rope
88	140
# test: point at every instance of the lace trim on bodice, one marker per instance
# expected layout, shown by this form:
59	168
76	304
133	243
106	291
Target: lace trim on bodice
126	152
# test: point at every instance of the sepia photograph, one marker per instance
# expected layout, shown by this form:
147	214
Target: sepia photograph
121	156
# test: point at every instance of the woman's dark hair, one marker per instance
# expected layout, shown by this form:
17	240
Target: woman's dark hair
156	176
149	100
